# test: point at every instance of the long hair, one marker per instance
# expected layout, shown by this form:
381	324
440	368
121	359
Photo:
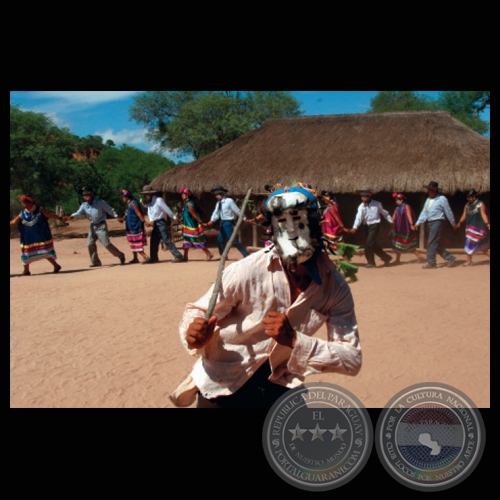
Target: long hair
197	206
195	200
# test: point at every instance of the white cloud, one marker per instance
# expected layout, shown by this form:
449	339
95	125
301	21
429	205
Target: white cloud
55	117
85	96
137	139
125	136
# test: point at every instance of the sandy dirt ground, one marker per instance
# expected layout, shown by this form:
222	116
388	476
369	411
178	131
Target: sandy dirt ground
108	337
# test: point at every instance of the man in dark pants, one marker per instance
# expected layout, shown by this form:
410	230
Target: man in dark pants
257	392
227	212
158	213
370	214
435	212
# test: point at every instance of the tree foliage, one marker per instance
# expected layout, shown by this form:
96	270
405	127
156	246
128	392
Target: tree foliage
129	168
40	155
53	165
199	122
465	106
395	100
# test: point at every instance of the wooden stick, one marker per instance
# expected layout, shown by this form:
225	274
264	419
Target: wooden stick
218	279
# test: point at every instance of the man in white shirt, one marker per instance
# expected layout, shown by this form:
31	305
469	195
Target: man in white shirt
435	212
259	341
227	212
370	213
158	214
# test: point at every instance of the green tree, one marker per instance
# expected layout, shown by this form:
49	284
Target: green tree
199	122
86	171
397	100
41	158
54	165
93	145
15	205
466	106
273	104
127	167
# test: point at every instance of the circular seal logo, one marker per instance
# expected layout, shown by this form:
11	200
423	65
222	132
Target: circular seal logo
317	437
430	436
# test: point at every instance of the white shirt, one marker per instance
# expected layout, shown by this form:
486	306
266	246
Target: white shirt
225	209
371	213
250	289
158	209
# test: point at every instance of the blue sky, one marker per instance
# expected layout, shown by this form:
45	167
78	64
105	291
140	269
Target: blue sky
106	113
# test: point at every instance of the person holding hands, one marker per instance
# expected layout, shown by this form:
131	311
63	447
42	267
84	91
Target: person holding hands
96	212
227	212
477	225
35	234
370	214
159	214
435	212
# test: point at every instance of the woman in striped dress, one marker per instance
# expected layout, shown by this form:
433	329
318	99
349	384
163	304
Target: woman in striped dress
35	233
192	229
477	225
134	225
332	228
404	238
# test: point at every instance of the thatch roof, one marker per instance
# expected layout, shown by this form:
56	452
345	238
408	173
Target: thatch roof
398	151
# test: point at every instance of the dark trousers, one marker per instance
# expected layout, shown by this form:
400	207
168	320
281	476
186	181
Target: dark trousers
372	247
225	232
160	232
258	392
434	243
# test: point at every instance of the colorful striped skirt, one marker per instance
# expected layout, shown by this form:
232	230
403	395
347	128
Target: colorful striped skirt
37	251
404	242
193	237
137	240
476	239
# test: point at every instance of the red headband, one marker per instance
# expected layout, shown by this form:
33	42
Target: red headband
27	198
399	195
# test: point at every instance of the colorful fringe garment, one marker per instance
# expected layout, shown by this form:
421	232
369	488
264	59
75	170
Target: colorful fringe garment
192	232
193	237
476	236
137	240
404	239
36	237
330	227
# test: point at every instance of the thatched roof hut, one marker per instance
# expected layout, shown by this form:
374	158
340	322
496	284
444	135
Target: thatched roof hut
387	152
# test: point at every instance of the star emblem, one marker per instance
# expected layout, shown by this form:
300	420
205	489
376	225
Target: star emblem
317	433
297	433
337	433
